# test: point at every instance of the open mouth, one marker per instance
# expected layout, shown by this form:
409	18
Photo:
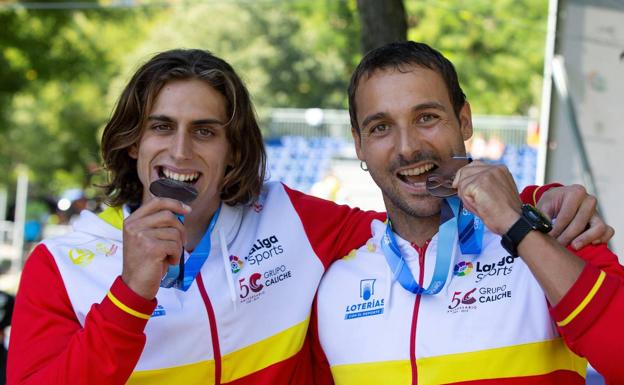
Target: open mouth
189	178
416	174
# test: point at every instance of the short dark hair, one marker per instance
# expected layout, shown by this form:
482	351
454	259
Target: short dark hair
398	55
242	182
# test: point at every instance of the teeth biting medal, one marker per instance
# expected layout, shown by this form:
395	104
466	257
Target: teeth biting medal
169	188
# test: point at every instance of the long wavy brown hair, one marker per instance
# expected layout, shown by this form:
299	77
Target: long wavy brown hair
242	182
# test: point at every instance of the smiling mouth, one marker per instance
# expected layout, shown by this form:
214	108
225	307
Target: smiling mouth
416	174
190	178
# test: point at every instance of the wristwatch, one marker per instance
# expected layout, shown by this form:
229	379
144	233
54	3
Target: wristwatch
531	219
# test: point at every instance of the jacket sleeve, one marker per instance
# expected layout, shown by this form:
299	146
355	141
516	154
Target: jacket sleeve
591	314
333	230
532	194
49	346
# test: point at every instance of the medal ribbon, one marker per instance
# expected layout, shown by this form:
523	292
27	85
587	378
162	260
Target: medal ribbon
470	238
181	276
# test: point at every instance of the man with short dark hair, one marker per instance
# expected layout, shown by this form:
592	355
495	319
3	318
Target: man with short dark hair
198	272
461	284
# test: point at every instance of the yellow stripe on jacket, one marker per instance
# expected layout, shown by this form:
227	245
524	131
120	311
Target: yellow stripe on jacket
264	353
235	365
202	372
513	361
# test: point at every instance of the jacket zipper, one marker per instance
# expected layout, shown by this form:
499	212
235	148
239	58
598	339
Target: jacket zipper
421	276
213	329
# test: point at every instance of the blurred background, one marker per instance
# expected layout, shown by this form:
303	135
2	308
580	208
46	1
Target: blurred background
543	79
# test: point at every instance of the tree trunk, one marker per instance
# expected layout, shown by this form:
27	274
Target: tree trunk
382	22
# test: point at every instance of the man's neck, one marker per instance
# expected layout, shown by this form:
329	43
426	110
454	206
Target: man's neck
416	230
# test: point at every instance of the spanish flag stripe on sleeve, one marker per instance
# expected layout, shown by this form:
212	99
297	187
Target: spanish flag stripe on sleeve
125	308
579	291
585	302
534	199
581	306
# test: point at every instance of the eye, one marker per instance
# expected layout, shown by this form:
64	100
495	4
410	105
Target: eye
379	128
204	131
427	118
161	127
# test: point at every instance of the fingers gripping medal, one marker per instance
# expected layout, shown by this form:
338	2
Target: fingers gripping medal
440	184
180	191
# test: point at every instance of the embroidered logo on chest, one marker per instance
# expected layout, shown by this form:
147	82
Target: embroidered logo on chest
369	305
256	285
480	270
464	301
264	250
81	257
106	250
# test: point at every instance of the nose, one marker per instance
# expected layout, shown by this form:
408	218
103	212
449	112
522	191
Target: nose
182	146
409	141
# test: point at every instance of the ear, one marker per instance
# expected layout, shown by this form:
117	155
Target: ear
133	151
465	121
357	139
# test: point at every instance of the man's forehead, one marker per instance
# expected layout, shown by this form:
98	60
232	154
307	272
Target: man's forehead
411	84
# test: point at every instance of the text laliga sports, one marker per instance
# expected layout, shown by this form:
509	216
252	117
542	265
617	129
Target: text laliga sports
496	268
264	249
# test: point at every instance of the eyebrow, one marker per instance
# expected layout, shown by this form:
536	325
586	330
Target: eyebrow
370	118
165	118
418	107
429	105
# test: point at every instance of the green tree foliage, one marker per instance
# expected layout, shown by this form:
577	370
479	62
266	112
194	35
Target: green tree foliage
63	69
496	46
58	68
290	54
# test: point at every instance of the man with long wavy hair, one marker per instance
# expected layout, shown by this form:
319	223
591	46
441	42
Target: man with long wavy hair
93	307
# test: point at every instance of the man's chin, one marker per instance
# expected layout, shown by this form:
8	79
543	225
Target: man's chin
418	206
424	212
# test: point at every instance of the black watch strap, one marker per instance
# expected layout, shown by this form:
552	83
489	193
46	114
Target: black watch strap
516	233
530	219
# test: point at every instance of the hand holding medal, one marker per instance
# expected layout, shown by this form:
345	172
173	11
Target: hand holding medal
183	192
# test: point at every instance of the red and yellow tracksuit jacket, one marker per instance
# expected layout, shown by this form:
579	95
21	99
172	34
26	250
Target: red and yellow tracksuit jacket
490	324
76	322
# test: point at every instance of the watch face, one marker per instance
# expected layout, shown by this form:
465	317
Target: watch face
538	220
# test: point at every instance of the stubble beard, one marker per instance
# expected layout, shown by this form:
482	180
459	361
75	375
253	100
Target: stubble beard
424	205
